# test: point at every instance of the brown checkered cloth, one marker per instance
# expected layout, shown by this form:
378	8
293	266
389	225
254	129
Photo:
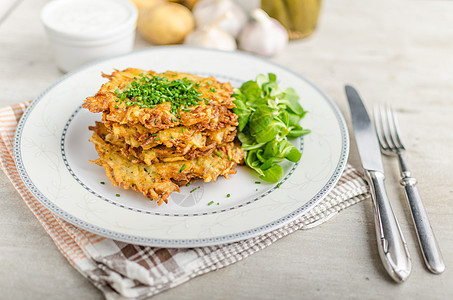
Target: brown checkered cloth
126	271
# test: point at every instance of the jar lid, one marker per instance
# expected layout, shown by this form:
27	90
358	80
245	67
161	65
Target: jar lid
86	20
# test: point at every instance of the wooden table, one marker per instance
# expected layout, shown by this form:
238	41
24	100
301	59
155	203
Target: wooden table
399	52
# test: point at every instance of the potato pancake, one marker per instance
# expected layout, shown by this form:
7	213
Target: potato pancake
157	181
172	146
181	137
160	131
213	108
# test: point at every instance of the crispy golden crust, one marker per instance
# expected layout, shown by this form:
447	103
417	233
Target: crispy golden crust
158	181
155	150
208	116
181	137
170	144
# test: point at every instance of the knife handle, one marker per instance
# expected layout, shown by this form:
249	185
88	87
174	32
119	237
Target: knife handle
391	244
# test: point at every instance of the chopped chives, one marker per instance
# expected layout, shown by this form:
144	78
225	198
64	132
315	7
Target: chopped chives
102	182
228	195
149	90
182	168
154	134
194	189
218	154
157	139
229	158
117	195
257	182
210	203
183	130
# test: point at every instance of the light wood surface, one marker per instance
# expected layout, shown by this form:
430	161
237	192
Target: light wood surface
392	51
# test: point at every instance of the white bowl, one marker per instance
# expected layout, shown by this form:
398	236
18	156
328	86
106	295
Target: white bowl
82	31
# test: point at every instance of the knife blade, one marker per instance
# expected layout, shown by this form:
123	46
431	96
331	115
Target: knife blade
391	244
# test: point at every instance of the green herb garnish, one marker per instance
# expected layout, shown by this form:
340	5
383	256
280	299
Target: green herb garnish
267	116
151	90
182	168
210	203
194	189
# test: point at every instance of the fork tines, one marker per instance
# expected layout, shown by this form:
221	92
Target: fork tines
387	129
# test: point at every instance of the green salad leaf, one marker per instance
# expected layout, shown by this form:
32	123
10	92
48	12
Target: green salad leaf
268	115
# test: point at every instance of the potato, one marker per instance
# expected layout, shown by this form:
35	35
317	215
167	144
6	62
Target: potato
145	3
188	3
165	23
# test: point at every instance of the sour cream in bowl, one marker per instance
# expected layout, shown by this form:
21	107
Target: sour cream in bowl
82	31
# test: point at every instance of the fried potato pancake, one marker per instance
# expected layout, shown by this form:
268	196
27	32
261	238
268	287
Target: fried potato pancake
211	114
181	137
169	144
157	181
160	131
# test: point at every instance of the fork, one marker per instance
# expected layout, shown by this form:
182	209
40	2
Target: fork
390	142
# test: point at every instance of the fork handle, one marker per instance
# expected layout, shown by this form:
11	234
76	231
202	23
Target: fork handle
428	243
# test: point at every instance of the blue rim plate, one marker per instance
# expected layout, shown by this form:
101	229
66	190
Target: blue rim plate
52	154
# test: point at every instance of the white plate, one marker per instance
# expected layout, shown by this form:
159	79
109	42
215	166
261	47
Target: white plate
52	152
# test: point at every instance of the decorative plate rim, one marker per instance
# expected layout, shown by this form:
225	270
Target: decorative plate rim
183	243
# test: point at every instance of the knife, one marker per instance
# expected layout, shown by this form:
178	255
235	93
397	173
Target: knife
391	244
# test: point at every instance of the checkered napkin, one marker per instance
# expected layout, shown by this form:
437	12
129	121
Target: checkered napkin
126	271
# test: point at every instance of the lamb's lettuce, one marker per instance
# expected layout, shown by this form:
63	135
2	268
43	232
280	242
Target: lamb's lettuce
267	116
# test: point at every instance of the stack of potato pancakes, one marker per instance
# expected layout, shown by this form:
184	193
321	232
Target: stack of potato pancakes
160	131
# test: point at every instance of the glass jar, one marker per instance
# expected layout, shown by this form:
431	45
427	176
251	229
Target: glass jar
299	17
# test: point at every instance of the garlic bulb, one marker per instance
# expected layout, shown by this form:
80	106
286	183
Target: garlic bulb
213	37
207	11
264	35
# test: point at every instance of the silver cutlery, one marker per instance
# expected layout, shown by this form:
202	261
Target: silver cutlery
390	142
391	244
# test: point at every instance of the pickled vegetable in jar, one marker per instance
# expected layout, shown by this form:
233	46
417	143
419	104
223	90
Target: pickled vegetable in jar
299	17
